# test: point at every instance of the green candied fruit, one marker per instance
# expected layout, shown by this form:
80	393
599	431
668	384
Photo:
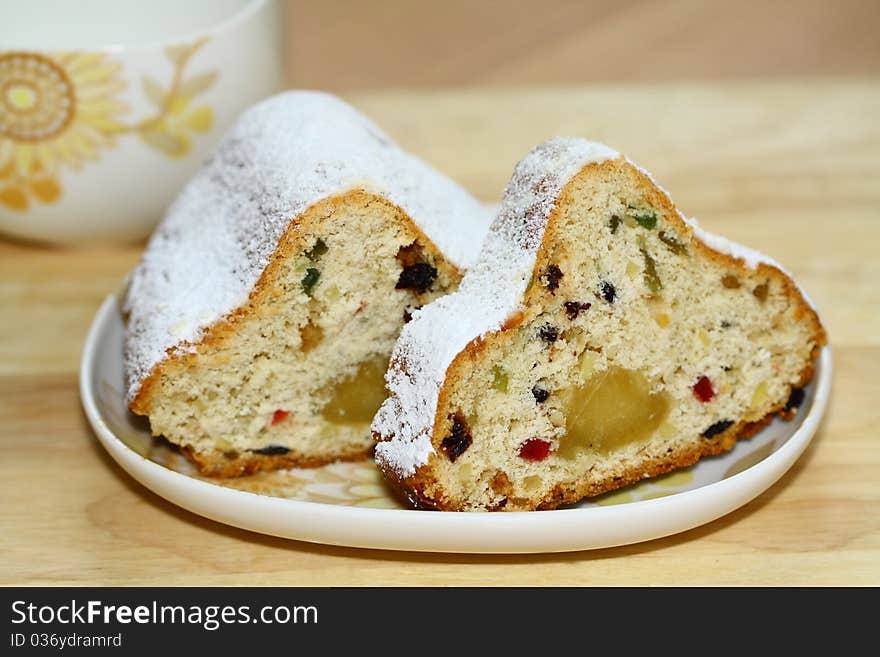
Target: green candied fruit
678	248
652	279
646	218
499	379
317	251
310	280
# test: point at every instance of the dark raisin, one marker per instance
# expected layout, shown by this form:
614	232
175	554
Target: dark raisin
574	308
408	311
674	245
551	277
608	291
456	444
271	450
540	394
719	427
725	324
761	292
795	399
548	333
310	280
418	277
317	251
614	223
647	218
726	368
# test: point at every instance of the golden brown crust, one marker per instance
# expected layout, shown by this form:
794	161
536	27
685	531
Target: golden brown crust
422	487
181	357
234	464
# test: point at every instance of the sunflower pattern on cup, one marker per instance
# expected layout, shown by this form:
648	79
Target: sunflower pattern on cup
64	110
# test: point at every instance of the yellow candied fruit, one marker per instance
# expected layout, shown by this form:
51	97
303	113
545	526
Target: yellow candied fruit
465	473
587	364
532	484
356	399
632	269
499	379
662	319
704	338
223	445
759	397
612	409
331	293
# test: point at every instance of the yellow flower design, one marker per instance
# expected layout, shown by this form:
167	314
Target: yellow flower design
58	110
63	110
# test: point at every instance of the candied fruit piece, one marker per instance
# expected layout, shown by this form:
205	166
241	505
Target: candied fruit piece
761	292
319	249
608	291
271	450
610	409
759	397
674	244
279	416
703	389
499	378
632	268
646	217
540	394
356	399
532	483
310	280
652	279
310	336
704	338
551	277
587	364
459	439
662	319
548	333
534	449
418	277
730	281
716	428
574	308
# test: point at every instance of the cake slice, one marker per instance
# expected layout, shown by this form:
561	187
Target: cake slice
601	338
262	315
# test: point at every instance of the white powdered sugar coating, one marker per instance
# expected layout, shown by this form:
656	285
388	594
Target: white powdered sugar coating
490	293
487	296
282	156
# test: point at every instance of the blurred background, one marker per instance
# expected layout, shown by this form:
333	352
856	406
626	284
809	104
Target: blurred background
351	45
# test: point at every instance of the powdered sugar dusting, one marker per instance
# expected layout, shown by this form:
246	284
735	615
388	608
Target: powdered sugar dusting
488	295
282	156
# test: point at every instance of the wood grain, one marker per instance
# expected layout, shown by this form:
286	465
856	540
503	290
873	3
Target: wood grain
790	168
350	45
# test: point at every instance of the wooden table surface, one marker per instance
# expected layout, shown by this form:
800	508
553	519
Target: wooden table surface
792	169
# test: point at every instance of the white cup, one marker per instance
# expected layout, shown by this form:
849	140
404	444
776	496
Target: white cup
107	107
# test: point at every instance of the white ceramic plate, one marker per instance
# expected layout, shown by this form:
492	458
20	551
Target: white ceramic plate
349	504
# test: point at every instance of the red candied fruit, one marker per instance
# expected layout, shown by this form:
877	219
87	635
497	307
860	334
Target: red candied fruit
279	416
703	389
534	449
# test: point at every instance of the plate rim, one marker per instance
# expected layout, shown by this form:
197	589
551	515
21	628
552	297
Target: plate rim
475	533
